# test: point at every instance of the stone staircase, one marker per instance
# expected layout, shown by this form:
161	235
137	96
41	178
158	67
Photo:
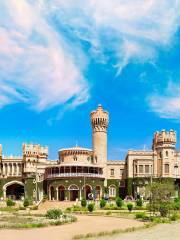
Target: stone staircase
56	204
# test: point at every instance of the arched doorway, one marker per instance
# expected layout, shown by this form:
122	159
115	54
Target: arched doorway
61	193
14	190
52	193
73	192
98	192
86	191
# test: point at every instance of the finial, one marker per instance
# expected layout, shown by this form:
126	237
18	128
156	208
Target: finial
99	106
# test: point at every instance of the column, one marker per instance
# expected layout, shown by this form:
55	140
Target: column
17	169
57	195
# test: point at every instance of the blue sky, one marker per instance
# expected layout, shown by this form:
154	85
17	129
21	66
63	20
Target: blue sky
60	58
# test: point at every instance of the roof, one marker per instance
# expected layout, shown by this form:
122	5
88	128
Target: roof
76	148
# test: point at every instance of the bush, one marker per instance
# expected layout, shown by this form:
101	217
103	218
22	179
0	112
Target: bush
102	203
26	202
90	207
76	208
140	215
139	202
34	207
22	208
54	214
174	217
10	202
83	202
119	202
163	211
130	207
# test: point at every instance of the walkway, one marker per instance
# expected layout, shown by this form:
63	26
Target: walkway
159	232
84	225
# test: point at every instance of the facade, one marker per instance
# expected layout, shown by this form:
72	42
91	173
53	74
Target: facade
81	172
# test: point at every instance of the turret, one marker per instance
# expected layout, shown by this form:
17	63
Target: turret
164	144
99	121
33	154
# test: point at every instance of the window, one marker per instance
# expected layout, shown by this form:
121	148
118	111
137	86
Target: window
75	158
121	172
146	168
122	183
112	172
166	153
135	168
88	158
160	154
112	191
140	168
176	170
166	168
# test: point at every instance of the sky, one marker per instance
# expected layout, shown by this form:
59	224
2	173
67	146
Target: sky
60	58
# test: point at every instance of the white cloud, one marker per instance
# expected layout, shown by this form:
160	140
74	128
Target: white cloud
167	105
37	66
43	69
131	29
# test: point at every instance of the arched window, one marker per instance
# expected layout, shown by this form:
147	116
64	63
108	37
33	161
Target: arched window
166	153
166	168
75	158
112	191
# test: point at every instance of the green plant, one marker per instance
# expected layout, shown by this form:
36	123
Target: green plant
26	202
174	217
119	202
163	210
54	214
130	207
76	208
22	208
139	202
140	215
102	203
90	207
34	207
83	202
10	202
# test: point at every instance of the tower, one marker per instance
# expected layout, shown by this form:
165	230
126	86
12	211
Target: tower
164	145
0	159
99	121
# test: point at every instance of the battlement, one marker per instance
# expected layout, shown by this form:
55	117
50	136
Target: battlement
34	150
99	118
164	137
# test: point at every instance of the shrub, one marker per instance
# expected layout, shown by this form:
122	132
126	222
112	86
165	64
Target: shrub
102	203
130	206
83	202
22	208
26	202
34	207
90	207
139	202
68	209
54	214
119	202
10	202
76	208
163	211
174	217
140	215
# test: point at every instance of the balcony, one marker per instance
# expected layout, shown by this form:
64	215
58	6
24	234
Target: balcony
67	175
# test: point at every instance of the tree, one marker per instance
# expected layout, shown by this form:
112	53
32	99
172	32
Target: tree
160	194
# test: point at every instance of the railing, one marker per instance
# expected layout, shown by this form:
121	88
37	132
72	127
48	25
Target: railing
93	175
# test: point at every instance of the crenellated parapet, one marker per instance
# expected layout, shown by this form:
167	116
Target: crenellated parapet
164	138
99	119
34	150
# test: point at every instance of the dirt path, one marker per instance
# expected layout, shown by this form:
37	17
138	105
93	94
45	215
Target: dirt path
159	232
84	225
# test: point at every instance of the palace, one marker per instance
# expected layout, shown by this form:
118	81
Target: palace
82	172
